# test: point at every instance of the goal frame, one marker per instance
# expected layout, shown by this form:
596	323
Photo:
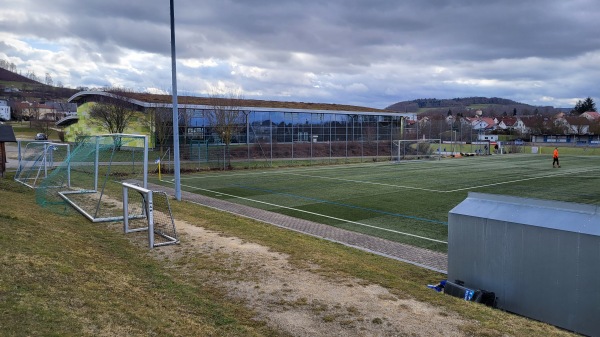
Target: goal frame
399	154
43	160
100	183
147	213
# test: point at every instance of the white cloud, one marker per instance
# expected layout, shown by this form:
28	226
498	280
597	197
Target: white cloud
197	63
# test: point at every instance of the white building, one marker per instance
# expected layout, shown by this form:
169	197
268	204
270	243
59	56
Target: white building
4	111
491	138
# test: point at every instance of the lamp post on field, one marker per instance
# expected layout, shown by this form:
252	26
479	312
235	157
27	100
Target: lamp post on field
175	109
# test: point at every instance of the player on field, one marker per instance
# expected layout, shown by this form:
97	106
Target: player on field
555	158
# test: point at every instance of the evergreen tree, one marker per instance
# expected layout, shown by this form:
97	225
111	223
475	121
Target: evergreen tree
584	106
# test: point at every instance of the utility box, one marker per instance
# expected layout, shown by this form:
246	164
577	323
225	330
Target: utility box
541	258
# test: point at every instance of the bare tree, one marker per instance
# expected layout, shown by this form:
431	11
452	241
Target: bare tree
49	80
42	126
31	75
226	118
112	114
160	123
595	127
578	125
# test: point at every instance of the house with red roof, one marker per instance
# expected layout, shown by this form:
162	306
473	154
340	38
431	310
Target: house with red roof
481	123
508	123
591	115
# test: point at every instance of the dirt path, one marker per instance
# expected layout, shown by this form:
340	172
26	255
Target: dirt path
301	302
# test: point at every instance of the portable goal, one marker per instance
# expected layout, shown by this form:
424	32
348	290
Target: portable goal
96	167
416	149
38	160
147	210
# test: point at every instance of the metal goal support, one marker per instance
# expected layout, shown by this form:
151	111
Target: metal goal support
147	210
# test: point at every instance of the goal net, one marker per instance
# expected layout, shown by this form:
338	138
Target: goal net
38	160
416	149
147	210
95	168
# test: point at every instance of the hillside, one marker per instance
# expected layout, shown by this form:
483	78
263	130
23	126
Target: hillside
9	76
24	88
489	106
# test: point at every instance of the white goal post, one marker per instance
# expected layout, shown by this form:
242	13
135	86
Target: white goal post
416	149
147	210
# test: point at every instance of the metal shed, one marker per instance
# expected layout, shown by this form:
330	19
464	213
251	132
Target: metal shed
540	257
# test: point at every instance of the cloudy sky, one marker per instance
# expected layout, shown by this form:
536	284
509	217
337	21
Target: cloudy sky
363	52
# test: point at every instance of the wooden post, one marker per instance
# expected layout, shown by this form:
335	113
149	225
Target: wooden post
2	159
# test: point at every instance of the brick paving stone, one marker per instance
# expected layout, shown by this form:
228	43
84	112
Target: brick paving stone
425	258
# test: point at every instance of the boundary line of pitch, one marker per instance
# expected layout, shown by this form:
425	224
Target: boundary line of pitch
318	214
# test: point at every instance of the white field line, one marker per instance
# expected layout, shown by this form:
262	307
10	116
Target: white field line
318	214
565	172
562	173
366	182
292	170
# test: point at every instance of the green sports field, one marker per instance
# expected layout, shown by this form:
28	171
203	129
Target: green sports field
406	202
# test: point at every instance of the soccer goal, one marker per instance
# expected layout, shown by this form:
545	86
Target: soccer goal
416	149
147	210
96	167
38	160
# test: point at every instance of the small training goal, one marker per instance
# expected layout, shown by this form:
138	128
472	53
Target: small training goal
416	149
147	210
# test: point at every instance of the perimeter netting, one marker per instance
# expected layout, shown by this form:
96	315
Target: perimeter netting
416	149
93	171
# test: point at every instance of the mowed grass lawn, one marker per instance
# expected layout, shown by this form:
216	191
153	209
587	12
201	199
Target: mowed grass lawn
61	275
406	202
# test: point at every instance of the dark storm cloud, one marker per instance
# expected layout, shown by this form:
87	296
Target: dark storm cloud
338	50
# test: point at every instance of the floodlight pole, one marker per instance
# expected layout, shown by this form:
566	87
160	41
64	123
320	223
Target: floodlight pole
175	108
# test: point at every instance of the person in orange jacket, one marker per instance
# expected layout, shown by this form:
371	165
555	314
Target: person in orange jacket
555	158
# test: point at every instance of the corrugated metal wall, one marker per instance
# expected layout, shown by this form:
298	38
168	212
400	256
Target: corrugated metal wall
541	258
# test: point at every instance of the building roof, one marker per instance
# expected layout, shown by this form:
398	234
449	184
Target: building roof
566	216
592	114
577	120
532	121
66	121
150	100
490	121
509	121
7	134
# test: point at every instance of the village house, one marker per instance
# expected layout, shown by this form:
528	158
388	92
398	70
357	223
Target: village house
512	124
576	125
4	111
481	123
49	111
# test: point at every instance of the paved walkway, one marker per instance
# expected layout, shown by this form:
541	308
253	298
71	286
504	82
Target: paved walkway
418	256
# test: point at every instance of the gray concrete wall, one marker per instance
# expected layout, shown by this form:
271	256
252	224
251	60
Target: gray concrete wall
541	258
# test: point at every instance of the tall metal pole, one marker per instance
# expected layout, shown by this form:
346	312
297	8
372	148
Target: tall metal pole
175	108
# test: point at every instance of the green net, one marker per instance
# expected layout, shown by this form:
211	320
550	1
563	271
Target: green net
90	179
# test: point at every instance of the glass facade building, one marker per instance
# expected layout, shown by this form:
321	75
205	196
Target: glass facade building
247	135
286	136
